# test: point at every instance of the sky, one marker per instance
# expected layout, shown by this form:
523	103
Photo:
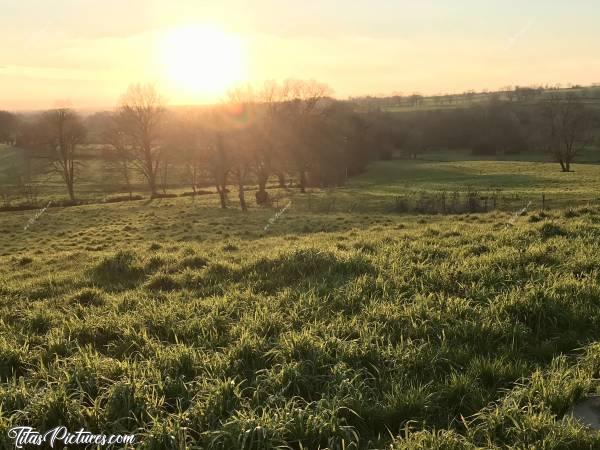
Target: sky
85	53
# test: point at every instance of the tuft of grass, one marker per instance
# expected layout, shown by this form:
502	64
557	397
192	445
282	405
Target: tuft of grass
13	360
25	261
88	297
193	262
120	268
162	282
549	229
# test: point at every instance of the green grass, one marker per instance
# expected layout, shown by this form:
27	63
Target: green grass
513	183
196	328
513	179
587	155
11	164
509	176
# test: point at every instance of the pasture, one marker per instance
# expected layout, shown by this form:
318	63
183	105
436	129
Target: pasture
508	184
339	328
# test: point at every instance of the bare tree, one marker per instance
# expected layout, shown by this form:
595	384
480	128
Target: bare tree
217	158
246	153
188	139
275	157
219	166
164	174
567	128
141	114
241	160
62	132
304	99
119	150
265	161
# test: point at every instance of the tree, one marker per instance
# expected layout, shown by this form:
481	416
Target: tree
118	150
495	127
141	116
347	142
248	152
188	139
268	155
61	132
9	124
357	140
240	160
567	128
217	158
416	99
219	166
302	107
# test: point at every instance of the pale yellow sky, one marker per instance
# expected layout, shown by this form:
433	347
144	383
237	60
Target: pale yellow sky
86	52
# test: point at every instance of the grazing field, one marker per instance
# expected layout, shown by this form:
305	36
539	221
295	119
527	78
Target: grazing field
501	185
507	184
522	178
197	328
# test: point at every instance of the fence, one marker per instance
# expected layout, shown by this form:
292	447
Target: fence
428	202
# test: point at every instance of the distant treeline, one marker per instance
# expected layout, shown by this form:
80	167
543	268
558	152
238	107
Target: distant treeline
288	130
509	93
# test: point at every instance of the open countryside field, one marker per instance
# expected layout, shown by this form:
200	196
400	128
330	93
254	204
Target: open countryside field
197	328
285	226
501	185
522	178
508	184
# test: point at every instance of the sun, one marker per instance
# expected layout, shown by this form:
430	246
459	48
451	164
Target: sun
202	61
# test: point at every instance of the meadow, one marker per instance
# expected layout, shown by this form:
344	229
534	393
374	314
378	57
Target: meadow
501	182
421	185
336	327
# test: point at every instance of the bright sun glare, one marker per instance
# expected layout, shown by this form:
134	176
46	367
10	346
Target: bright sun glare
203	61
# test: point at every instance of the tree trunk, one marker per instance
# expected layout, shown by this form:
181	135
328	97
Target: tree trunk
194	179
562	165
302	181
164	177
281	178
262	197
71	191
127	180
152	184
262	182
69	178
222	197
242	198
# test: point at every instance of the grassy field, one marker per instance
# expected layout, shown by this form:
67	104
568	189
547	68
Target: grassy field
512	177
199	328
501	185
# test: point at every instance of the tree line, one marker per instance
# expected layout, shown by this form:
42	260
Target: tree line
559	125
293	129
284	129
